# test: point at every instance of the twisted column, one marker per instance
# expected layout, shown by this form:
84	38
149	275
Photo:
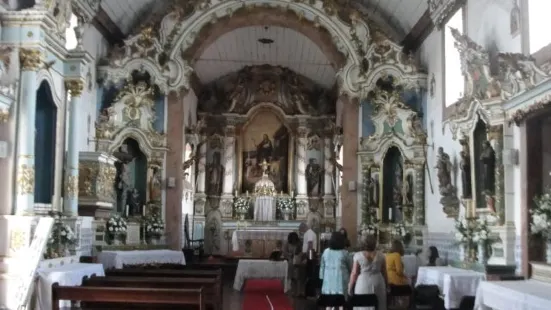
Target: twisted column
302	144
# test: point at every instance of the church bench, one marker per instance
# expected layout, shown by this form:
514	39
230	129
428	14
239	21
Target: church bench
211	291
169	273
113	296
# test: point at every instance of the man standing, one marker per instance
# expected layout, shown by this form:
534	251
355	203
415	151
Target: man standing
306	277
308	236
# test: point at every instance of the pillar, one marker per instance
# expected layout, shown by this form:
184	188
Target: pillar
328	179
496	135
302	144
70	201
30	60
351	140
229	160
202	166
419	194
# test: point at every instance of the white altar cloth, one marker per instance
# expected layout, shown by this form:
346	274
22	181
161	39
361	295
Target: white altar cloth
454	283
518	295
411	265
239	236
264	208
117	259
67	275
260	269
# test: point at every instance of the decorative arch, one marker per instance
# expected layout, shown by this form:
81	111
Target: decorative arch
464	121
44	75
134	133
266	106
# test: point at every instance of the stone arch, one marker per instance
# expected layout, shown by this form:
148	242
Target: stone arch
345	44
45	76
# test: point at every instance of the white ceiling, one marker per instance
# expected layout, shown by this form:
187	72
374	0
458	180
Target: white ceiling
402	14
240	47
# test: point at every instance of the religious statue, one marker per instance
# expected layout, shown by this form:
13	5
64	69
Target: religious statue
465	166
406	192
134	202
488	158
397	200
216	173
369	190
264	149
313	177
155	185
444	167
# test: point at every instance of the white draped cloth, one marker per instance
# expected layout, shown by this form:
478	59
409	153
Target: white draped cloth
411	265
239	236
264	208
67	275
117	259
454	283
517	295
260	269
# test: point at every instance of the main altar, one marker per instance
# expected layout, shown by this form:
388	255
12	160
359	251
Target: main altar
263	158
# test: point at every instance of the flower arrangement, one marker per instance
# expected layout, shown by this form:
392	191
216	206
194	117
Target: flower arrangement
482	232
541	216
116	225
241	205
368	229
154	227
399	230
61	237
465	229
285	205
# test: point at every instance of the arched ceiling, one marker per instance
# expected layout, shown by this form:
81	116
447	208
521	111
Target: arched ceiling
401	15
243	47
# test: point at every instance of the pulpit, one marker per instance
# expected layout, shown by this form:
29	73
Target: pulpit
265	202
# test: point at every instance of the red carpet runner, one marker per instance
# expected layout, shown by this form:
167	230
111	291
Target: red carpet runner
265	295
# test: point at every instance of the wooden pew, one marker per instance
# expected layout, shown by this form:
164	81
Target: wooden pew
171	273
211	292
180	298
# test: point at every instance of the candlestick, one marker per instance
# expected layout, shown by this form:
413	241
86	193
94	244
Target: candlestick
126	211
143	211
389	215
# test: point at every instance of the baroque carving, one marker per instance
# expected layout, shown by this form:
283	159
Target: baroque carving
519	73
441	10
96	181
71	186
74	87
25	180
521	114
30	59
448	191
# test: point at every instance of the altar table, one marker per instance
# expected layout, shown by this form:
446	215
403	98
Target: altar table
518	295
262	241
117	259
67	275
454	283
260	269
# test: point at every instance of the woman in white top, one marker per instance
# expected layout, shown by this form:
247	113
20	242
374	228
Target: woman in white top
369	274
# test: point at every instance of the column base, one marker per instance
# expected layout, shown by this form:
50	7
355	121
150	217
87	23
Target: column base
503	250
302	206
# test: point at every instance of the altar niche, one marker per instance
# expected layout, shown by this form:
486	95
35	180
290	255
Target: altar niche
45	140
484	168
392	175
131	181
265	137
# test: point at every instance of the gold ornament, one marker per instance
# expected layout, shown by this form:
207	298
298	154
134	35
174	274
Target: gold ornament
71	186
17	240
4	115
25	180
30	59
75	87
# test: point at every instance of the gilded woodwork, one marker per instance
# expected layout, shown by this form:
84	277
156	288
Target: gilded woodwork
30	59
25	180
75	87
71	186
96	180
17	240
4	115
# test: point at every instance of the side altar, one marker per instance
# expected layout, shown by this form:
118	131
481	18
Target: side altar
262	156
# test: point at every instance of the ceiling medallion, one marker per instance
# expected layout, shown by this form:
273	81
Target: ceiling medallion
265	41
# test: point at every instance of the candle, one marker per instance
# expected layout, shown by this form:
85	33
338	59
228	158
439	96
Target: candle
143	211
235	193
126	211
292	194
247	193
390	214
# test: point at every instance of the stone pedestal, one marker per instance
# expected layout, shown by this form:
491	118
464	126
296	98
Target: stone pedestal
96	185
503	250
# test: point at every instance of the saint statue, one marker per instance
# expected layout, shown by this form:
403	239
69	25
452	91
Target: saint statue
465	166
444	167
134	202
406	192
264	149
313	177
155	185
488	158
216	175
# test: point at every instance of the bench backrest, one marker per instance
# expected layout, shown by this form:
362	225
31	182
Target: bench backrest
128	295
171	273
151	281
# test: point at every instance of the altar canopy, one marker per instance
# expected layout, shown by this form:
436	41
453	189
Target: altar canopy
265	202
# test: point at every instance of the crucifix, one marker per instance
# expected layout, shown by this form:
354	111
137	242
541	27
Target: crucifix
265	167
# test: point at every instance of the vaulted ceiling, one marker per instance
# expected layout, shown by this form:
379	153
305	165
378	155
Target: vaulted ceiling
404	20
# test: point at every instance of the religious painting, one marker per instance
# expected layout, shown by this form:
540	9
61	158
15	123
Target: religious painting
215	169
314	166
265	138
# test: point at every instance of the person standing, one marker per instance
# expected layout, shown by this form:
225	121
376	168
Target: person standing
368	274
291	251
304	270
335	269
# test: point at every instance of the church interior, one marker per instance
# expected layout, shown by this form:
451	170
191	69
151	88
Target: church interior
202	134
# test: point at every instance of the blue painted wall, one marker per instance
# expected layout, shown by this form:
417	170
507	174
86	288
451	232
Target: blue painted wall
368	127
45	133
159	124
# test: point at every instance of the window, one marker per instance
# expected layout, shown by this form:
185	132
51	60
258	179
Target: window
70	36
538	17
454	81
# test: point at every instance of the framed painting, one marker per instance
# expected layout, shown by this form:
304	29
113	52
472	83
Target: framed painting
265	137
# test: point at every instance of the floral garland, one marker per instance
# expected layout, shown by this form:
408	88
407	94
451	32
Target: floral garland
285	205
540	215
116	225
154	227
61	237
241	205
